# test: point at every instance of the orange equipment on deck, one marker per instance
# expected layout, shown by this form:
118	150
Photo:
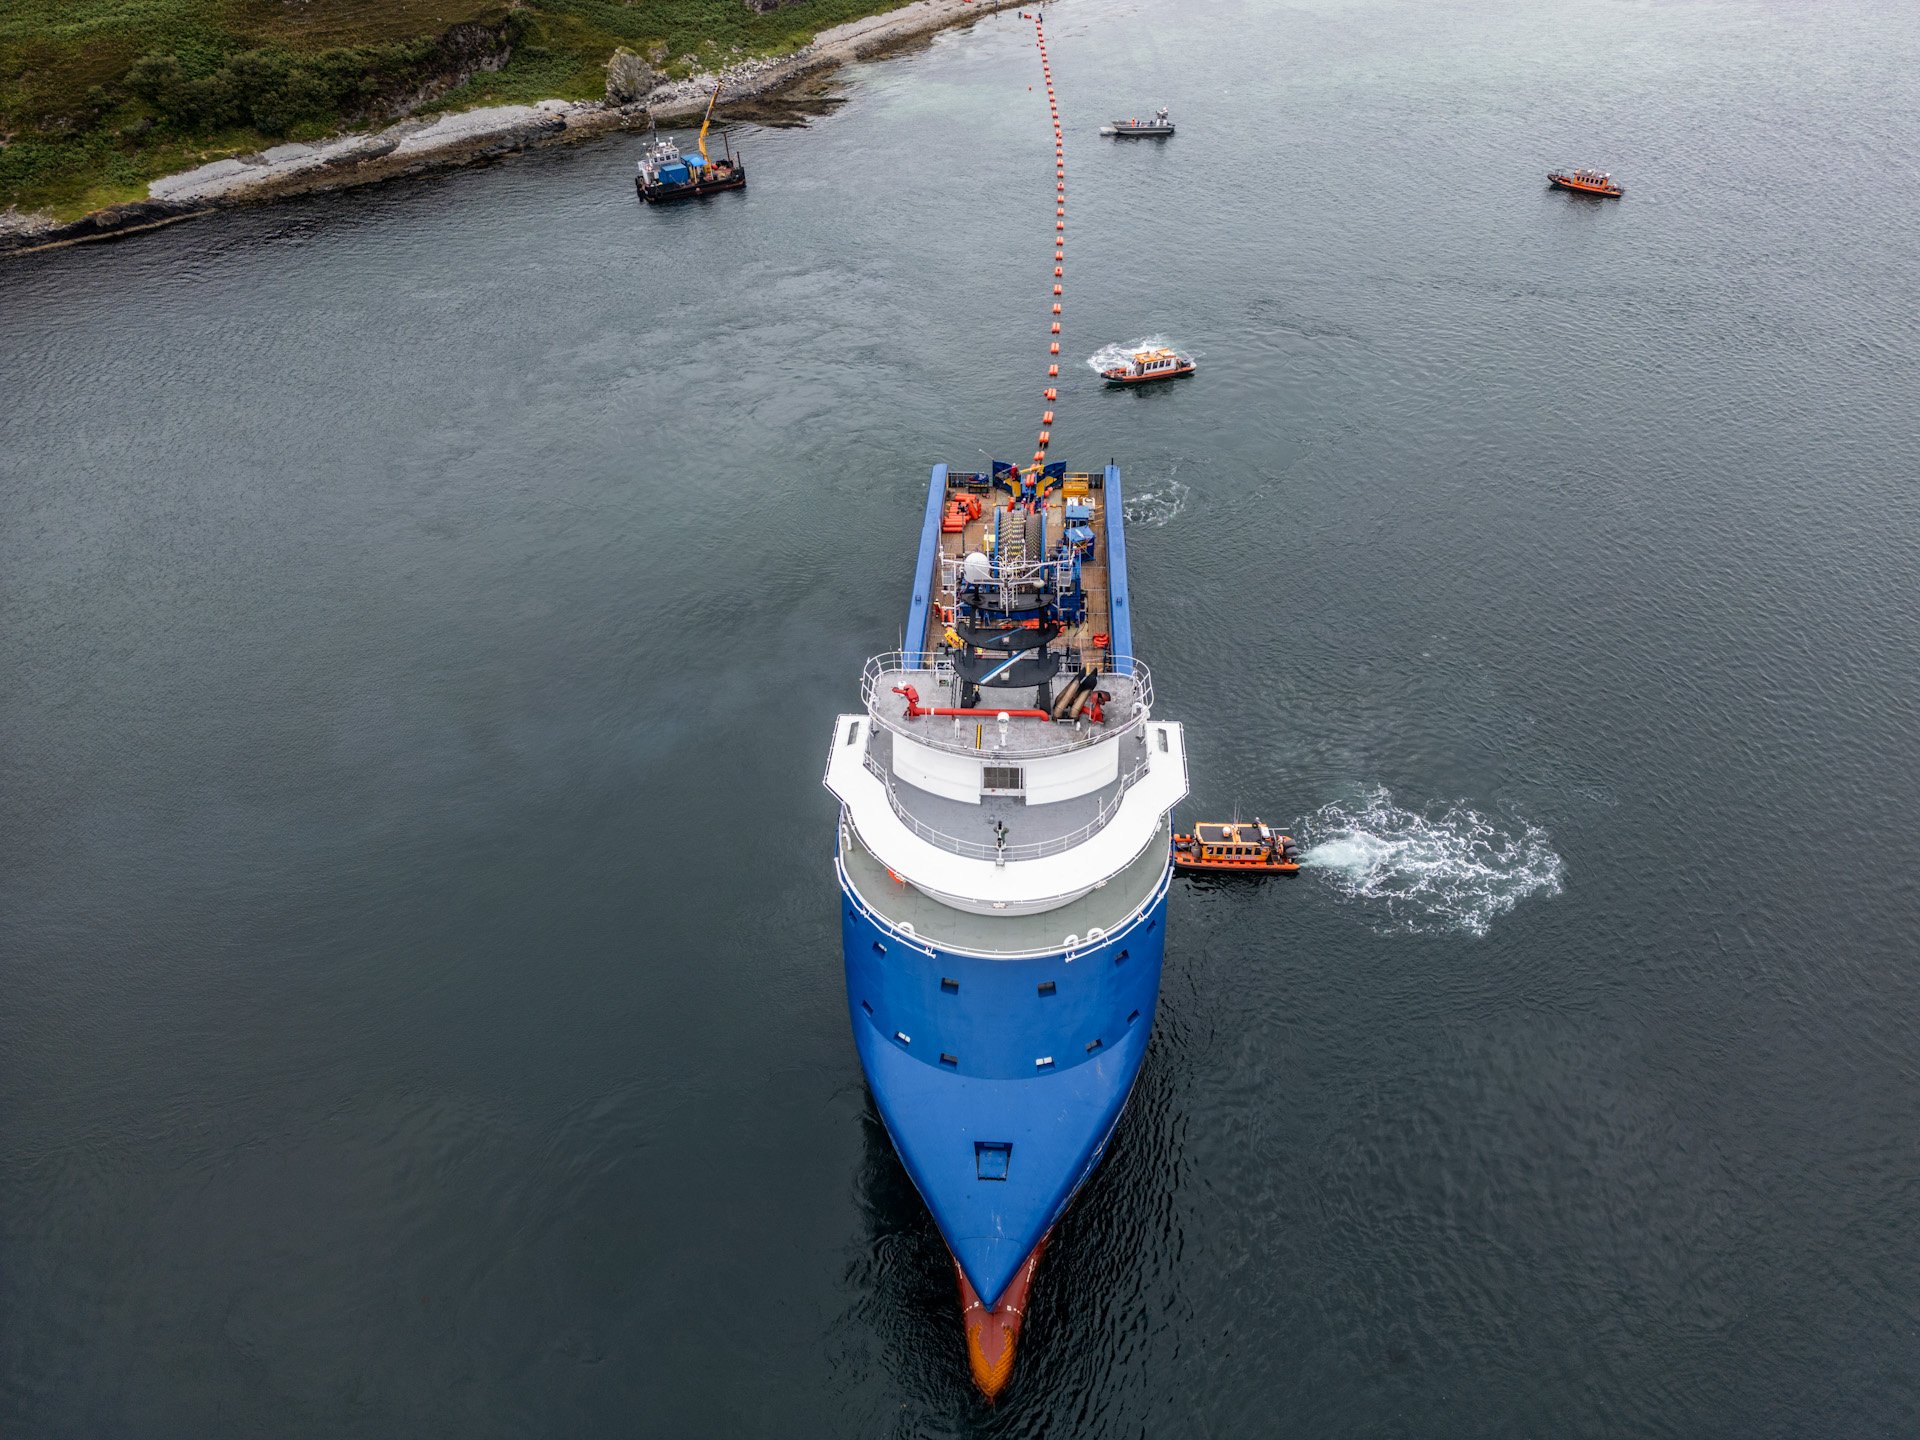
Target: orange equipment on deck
1236	849
960	509
1587	182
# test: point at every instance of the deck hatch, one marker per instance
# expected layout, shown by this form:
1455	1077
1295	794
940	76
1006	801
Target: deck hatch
1047	987
949	986
1002	779
992	1158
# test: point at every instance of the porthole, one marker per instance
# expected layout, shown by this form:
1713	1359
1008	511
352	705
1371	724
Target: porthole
949	986
1093	1045
1047	987
1133	1017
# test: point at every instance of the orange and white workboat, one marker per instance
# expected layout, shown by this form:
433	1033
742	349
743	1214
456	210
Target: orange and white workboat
1236	849
1587	182
1142	366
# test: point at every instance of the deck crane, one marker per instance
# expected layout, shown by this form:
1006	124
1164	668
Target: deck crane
708	120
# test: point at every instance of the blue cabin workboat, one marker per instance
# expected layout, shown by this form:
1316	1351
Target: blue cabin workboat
1004	855
663	173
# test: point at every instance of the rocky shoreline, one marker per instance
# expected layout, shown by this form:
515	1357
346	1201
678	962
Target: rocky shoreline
412	147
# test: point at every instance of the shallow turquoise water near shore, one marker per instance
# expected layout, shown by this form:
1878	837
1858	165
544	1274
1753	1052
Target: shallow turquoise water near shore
424	610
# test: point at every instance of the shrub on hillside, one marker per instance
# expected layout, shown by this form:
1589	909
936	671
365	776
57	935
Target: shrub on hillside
272	90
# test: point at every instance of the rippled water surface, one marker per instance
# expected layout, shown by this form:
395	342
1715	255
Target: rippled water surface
423	611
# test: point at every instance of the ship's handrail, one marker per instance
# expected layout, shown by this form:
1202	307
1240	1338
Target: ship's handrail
879	675
1057	572
1029	850
915	940
960	478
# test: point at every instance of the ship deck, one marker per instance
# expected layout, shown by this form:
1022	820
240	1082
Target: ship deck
1106	908
1026	737
1046	827
978	535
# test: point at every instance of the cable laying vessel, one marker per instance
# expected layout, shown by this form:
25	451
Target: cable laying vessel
1004	855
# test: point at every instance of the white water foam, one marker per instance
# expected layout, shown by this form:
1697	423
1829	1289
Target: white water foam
1454	870
1157	506
1108	356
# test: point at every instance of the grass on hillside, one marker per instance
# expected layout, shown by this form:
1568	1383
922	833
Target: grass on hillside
97	97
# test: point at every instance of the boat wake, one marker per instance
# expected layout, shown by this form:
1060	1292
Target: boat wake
1157	506
1452	870
1108	356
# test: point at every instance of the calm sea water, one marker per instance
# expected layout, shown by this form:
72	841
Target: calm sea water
424	610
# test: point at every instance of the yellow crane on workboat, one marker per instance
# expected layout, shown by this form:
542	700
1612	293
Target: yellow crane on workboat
711	101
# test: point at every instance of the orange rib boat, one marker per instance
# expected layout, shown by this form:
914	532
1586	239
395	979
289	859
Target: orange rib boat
1587	182
1236	849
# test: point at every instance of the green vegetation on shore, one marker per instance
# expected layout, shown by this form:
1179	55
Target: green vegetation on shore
97	97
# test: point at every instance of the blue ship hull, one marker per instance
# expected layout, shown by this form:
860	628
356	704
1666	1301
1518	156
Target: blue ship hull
1004	859
1088	1011
1001	1078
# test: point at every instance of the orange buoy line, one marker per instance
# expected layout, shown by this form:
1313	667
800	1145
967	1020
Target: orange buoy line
1059	235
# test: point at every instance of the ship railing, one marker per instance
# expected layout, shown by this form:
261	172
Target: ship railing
1010	579
882	673
1029	850
959	478
908	935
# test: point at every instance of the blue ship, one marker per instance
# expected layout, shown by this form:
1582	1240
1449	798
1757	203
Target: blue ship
1004	855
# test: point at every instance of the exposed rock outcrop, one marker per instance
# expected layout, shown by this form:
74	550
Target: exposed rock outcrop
629	78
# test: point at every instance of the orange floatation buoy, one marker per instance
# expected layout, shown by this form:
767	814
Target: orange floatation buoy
1053	370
